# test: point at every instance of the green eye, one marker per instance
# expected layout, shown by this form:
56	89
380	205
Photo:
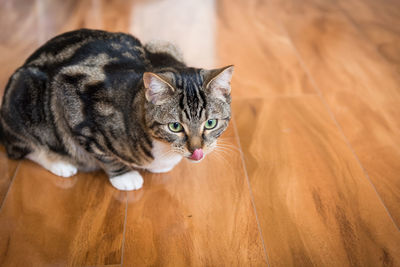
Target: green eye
211	124
175	127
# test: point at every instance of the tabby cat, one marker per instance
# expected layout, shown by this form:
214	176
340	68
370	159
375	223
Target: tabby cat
90	99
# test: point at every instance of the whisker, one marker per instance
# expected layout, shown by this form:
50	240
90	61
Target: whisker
225	150
228	148
220	156
228	153
227	145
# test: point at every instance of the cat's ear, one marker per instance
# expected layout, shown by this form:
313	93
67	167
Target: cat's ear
219	82
158	89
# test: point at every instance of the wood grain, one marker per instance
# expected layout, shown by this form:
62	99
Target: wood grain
196	215
380	23
49	220
7	172
71	241
265	61
18	38
315	205
359	85
55	16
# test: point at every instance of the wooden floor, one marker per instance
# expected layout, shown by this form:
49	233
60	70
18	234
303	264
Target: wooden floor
310	175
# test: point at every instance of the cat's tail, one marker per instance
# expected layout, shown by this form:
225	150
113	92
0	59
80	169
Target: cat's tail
158	46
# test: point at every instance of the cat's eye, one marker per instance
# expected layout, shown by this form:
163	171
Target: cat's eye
211	124
175	127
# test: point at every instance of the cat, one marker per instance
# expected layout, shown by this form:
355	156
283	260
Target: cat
91	99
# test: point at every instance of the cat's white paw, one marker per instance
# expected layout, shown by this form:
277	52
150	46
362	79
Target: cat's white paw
56	166
127	181
63	169
161	170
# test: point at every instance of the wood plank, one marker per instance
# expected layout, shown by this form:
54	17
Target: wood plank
265	61
379	21
7	171
55	16
49	220
13	53
196	215
18	38
359	85
315	205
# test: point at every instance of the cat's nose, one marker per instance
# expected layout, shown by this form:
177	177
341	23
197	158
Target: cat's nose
194	143
197	154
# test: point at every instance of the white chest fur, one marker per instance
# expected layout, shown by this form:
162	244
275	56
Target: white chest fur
164	159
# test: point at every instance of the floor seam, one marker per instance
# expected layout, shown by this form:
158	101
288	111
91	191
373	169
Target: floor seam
322	98
250	189
124	231
9	186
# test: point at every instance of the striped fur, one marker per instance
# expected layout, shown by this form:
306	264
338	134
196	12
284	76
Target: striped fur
81	99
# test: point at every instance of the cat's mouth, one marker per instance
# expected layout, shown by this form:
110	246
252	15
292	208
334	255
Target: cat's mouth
197	155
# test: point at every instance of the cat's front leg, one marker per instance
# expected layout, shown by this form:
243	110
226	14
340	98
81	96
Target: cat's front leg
52	163
128	181
123	177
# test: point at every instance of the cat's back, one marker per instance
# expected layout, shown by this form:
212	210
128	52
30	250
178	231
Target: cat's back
89	47
73	70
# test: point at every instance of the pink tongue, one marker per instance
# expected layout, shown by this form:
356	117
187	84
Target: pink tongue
197	154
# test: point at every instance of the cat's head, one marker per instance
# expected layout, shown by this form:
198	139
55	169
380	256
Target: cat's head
188	108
